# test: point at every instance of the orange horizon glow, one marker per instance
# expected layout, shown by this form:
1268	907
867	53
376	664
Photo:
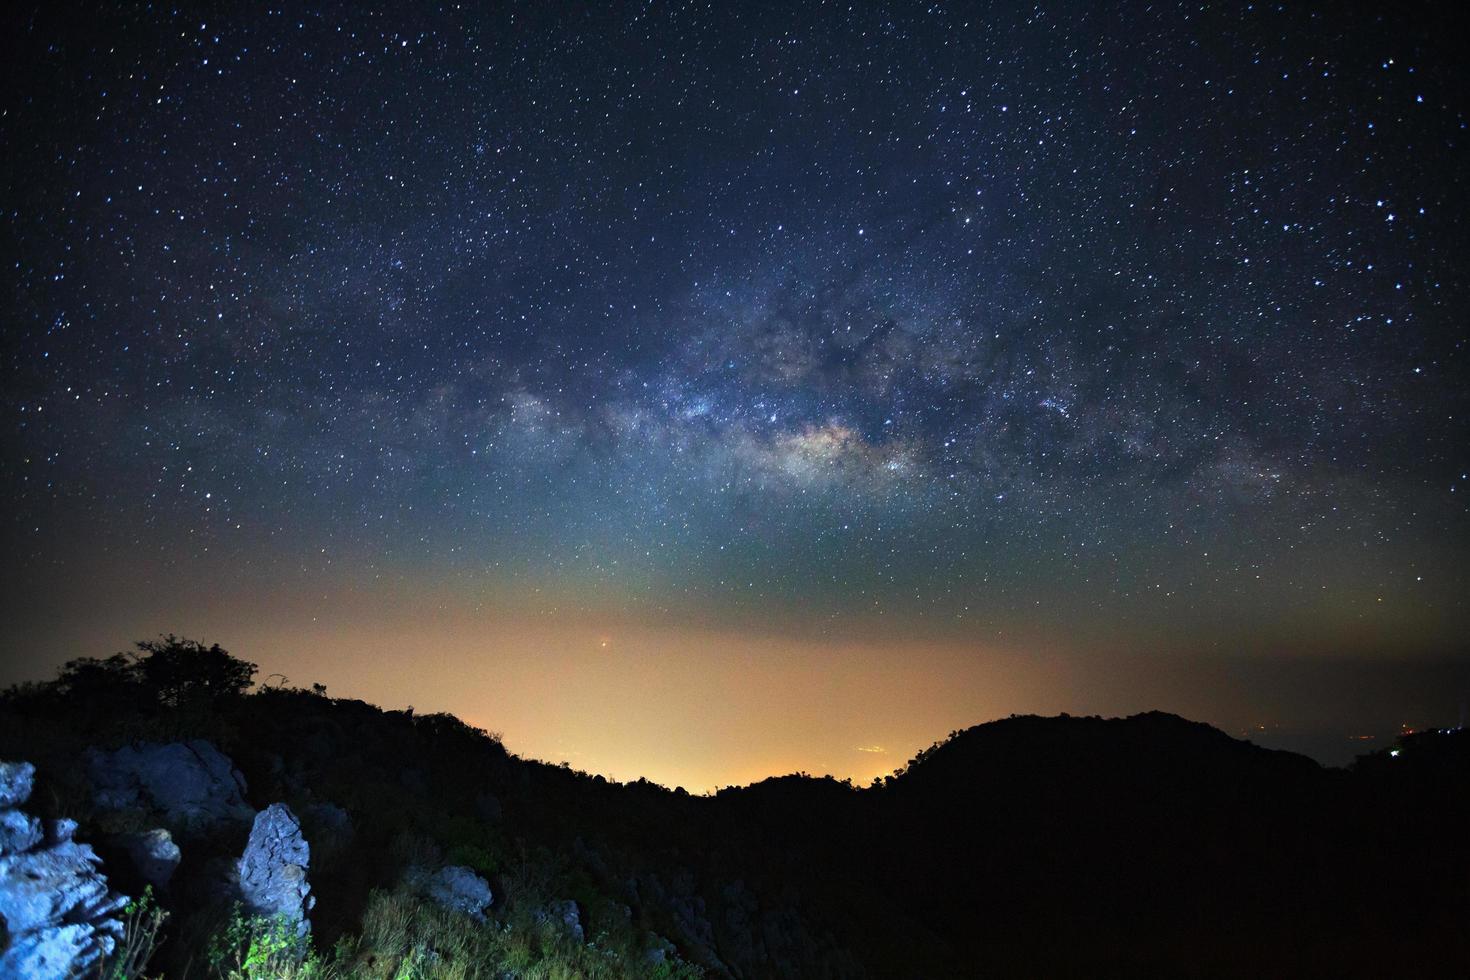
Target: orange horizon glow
674	696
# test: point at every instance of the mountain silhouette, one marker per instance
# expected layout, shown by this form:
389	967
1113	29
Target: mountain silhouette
1023	847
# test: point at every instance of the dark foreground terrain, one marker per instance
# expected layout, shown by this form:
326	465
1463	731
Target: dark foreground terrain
416	846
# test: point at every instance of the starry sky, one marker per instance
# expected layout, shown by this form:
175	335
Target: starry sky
704	391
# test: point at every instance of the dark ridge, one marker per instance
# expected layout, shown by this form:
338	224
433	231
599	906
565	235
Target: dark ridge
1023	847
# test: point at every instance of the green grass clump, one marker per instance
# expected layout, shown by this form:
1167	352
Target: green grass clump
406	938
266	948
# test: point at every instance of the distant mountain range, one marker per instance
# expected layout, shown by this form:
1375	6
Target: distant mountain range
1148	846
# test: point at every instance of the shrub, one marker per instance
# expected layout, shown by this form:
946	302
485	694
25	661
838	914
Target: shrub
265	948
142	918
167	672
176	670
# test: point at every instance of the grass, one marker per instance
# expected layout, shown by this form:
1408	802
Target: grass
405	937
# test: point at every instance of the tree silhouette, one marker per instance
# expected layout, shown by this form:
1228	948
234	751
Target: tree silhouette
167	672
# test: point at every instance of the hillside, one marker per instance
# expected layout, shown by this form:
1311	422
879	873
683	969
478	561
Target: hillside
1148	845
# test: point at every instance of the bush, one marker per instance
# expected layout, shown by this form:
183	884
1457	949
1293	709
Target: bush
265	948
176	670
167	672
142	918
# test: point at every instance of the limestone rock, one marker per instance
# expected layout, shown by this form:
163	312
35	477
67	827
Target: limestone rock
658	950
153	853
18	832
566	916
15	783
60	917
191	784
694	931
459	888
272	871
60	831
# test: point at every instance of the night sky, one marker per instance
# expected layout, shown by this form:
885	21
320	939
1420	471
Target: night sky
704	391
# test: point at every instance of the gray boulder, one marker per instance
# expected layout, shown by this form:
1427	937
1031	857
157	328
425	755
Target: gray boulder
271	874
658	950
60	917
695	933
153	853
457	887
15	783
49	884
191	784
565	915
19	832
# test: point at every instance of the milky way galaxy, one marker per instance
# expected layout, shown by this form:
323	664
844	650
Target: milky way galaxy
806	376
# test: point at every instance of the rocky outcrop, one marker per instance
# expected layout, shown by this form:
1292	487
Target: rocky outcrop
680	901
774	936
564	915
16	779
271	874
455	887
19	832
153	854
60	918
657	950
191	785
